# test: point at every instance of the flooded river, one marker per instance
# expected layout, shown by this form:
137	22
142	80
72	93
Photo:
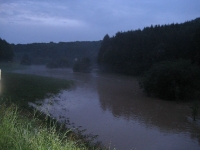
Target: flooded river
114	108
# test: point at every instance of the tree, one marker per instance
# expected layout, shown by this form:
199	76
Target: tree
83	65
177	80
197	45
134	52
6	51
104	45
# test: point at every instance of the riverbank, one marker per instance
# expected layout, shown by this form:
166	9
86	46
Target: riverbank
17	90
22	88
115	108
19	132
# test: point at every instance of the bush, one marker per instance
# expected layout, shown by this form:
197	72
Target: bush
83	65
178	80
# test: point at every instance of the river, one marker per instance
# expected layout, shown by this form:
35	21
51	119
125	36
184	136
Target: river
115	108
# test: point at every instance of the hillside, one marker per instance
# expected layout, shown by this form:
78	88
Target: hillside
134	52
43	53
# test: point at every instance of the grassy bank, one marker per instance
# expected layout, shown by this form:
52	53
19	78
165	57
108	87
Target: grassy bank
19	132
22	88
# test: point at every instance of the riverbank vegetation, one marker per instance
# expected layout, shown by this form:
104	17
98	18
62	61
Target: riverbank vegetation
82	65
166	56
19	132
177	80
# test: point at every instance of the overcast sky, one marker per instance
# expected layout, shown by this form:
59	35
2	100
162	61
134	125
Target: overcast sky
29	21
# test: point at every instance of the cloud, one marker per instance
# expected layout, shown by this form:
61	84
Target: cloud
37	13
88	18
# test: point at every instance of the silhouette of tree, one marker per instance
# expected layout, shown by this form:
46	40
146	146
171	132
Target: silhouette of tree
6	51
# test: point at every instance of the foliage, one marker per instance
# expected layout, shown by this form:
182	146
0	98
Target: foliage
6	51
194	108
177	80
134	52
105	44
196	39
19	132
83	65
45	53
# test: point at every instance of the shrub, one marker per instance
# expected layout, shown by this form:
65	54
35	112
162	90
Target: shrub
178	80
83	65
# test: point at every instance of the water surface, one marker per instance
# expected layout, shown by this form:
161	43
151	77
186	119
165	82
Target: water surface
115	108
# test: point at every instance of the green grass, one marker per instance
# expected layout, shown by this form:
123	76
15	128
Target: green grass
23	88
18	132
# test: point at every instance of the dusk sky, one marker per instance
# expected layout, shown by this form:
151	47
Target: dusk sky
30	21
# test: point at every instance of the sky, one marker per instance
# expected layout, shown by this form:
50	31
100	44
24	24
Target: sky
44	21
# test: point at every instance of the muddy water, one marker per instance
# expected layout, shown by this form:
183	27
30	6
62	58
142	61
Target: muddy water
114	107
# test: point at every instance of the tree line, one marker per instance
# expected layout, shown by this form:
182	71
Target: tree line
134	52
78	55
6	51
166	57
55	55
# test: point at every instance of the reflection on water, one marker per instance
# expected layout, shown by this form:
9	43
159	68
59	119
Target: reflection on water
114	107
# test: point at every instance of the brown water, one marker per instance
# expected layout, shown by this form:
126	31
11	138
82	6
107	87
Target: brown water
115	108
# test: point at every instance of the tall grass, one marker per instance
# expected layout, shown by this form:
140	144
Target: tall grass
17	132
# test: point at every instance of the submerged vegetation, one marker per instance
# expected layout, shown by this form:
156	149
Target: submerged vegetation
178	80
82	65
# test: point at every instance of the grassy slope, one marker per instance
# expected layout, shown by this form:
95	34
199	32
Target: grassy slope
22	88
18	132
